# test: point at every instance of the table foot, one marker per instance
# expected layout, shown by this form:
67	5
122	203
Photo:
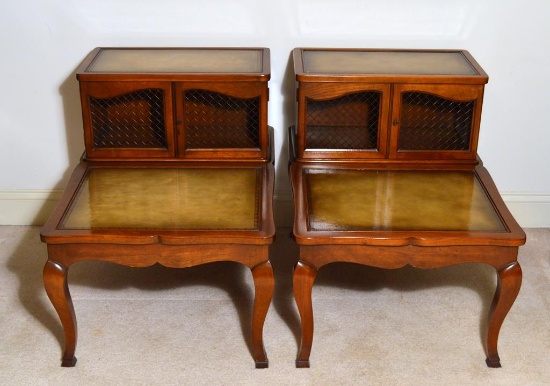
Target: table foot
69	362
264	285
302	364
262	364
57	288
508	285
304	276
493	363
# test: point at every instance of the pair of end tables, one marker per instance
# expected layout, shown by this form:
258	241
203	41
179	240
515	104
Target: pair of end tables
178	170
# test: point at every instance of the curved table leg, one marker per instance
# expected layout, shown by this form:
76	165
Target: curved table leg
304	276
264	285
55	283
508	285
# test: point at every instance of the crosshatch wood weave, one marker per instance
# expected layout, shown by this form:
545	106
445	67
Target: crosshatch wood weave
214	120
132	120
429	122
347	122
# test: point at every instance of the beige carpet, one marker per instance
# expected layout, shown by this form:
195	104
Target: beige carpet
159	326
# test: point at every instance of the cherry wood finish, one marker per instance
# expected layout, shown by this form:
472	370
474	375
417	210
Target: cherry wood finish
327	74
389	208
140	206
171	247
240	74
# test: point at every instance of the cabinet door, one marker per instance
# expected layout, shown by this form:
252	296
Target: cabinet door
342	120
127	119
435	121
222	120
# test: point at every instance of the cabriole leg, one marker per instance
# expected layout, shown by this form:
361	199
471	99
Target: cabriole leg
264	284
55	282
508	285
304	276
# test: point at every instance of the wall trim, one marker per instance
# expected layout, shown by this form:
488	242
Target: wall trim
531	210
27	207
32	207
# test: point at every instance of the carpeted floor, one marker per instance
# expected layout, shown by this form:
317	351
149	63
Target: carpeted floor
160	326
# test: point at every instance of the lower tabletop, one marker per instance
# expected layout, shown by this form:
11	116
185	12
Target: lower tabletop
170	200
373	206
166	199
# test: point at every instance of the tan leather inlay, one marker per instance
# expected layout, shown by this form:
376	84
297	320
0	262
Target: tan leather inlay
400	63
360	200
178	61
166	199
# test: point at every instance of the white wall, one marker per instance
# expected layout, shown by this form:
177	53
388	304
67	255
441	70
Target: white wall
43	41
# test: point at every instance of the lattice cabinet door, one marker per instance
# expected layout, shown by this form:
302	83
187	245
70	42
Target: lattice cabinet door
221	120
127	119
335	120
435	121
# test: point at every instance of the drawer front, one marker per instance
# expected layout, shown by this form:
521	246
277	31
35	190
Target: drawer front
435	121
223	120
128	120
342	121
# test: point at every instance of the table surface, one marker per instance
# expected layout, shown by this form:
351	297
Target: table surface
166	198
364	200
384	65
177	60
367	62
397	205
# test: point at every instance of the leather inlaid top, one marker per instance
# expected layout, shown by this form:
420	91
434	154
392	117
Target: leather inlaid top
114	60
155	198
385	62
363	200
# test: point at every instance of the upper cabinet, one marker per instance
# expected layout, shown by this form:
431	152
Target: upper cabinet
184	103
387	104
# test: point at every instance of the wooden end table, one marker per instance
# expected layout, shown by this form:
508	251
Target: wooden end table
393	218
385	172
177	216
178	171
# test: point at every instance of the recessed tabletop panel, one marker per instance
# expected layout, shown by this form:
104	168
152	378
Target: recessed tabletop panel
178	199
114	60
384	62
364	200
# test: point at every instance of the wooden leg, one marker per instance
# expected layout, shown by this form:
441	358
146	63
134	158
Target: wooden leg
264	285
508	285
304	276
55	282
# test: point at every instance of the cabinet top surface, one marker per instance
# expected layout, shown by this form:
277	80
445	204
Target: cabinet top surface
216	61
350	62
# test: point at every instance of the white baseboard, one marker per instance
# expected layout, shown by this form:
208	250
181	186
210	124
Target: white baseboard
27	207
32	207
531	210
